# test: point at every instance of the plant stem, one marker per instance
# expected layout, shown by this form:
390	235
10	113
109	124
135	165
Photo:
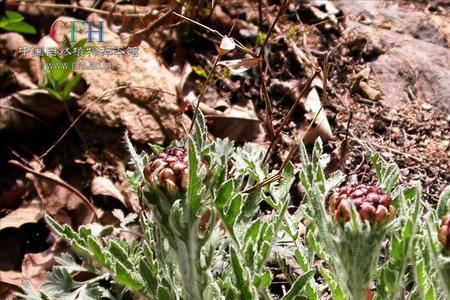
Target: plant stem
202	92
188	261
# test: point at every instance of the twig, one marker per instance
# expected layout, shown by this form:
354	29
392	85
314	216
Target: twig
58	181
393	150
288	116
76	7
92	103
202	92
154	24
295	146
265	96
25	113
283	8
238	44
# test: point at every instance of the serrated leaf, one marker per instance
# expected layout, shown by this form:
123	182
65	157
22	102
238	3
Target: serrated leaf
125	277
120	254
97	250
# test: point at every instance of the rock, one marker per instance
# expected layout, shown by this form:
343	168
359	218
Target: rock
150	115
369	92
426	106
408	66
391	16
27	67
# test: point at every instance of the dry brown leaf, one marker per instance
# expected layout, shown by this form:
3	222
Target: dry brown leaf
321	127
11	277
238	66
60	202
30	213
102	186
29	109
35	265
238	123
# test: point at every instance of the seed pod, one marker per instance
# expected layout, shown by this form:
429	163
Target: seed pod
444	232
371	203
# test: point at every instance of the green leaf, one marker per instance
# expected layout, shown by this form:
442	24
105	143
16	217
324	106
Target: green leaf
20	27
156	148
299	285
148	276
200	71
200	135
125	277
444	203
224	194
13	16
120	254
164	293
97	250
233	211
2	125
242	285
195	182
70	86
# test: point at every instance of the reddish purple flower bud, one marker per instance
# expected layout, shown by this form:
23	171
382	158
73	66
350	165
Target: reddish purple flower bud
444	232
371	203
170	170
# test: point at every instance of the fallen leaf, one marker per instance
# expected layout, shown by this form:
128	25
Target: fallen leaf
35	265
29	213
321	127
11	277
28	110
238	66
60	202
102	186
239	124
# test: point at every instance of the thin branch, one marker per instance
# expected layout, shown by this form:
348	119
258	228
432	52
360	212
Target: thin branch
238	44
25	113
202	92
154	24
283	8
92	103
288	116
265	96
57	181
77	7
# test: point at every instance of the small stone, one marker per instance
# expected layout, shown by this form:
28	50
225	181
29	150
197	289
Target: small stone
369	92
364	74
448	118
426	106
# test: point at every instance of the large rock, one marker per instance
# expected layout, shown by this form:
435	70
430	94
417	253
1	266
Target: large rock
149	115
406	67
397	19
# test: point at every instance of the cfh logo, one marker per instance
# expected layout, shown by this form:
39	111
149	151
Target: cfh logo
60	28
